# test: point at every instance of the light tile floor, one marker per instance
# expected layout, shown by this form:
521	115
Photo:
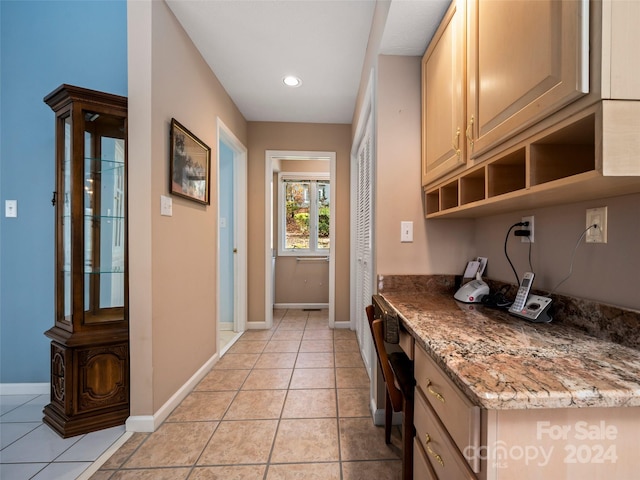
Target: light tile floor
288	403
31	450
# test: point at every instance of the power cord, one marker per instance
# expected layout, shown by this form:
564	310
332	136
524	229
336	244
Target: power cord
506	254
595	225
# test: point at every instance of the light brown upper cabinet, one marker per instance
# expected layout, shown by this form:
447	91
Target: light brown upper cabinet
443	97
525	60
551	105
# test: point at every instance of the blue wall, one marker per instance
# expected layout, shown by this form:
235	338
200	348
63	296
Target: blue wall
42	45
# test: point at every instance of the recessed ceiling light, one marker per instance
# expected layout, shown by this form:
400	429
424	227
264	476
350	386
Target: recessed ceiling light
292	81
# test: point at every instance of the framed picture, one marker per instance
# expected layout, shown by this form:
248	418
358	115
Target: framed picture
190	165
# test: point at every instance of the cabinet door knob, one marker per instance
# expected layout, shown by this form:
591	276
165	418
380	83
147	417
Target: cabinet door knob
438	457
438	395
469	132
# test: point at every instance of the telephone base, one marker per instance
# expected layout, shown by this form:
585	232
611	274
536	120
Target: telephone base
536	309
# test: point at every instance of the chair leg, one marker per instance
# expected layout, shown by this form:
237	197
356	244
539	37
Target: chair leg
388	417
408	432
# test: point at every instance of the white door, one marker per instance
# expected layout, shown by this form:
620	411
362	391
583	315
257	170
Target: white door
363	247
232	233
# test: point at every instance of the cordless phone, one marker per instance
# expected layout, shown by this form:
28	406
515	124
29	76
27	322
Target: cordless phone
533	308
523	293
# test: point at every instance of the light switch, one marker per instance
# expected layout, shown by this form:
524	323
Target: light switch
166	206
406	232
11	208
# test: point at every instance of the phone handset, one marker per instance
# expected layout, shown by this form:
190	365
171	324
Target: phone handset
523	293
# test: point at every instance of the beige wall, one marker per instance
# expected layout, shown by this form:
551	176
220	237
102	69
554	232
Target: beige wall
173	259
604	272
265	136
438	246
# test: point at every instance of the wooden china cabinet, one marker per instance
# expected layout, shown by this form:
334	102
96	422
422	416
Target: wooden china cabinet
90	338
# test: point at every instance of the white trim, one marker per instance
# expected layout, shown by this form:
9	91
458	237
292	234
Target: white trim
149	423
270	156
299	306
367	116
366	111
314	178
240	225
259	325
346	325
378	415
25	388
226	348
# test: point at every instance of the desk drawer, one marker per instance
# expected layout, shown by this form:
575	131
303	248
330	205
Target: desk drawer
444	458
407	343
459	416
422	469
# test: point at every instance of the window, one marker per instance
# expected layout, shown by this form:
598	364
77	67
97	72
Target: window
303	201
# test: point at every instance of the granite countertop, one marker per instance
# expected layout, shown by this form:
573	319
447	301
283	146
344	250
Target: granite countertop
503	362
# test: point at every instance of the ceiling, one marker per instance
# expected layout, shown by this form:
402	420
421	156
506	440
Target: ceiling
252	44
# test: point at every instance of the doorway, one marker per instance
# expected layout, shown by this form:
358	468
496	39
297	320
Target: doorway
272	162
232	239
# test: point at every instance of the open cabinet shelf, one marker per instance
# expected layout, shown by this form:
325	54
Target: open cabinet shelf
561	164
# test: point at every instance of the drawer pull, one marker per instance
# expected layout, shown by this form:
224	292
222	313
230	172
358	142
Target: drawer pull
433	392
427	440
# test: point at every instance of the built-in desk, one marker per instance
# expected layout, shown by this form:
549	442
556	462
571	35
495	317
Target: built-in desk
497	396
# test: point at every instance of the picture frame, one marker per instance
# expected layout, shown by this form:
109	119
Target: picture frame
190	165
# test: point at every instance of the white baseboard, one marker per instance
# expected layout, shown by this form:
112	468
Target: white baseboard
378	416
25	388
149	423
299	306
342	325
224	349
256	326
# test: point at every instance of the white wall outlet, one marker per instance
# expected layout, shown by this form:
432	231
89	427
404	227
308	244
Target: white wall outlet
598	217
11	208
406	232
166	206
531	237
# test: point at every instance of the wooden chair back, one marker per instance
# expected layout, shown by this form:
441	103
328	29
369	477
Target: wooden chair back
377	326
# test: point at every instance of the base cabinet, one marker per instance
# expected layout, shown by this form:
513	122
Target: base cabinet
89	387
546	443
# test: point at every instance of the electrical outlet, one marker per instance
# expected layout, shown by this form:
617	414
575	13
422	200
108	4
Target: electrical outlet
597	216
531	237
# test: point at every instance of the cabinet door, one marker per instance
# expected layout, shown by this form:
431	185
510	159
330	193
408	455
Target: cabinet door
525	60
443	97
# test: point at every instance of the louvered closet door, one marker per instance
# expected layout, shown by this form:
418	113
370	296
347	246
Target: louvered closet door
364	228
